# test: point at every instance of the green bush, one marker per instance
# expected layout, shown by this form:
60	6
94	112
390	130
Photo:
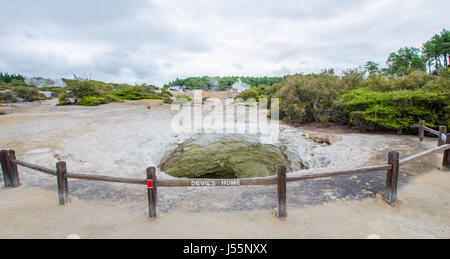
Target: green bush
29	94
2	113
79	88
165	92
7	97
397	109
183	98
414	80
64	99
308	98
112	98
167	99
134	93
252	92
93	101
56	90
256	93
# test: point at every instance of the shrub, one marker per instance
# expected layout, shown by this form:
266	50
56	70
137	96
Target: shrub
377	82
80	88
29	94
93	101
166	92
397	109
56	90
256	93
183	98
2	113
7	97
112	98
308	98
64	99
414	80
167	99
134	93
252	92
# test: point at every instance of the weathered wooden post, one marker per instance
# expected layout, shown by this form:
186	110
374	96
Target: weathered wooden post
421	130
9	169
152	191
63	185
5	170
442	130
446	158
281	191
392	178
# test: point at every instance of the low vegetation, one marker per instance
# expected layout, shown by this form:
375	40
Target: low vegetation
93	101
373	101
91	93
13	88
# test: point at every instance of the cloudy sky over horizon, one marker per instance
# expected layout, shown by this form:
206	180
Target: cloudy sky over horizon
157	41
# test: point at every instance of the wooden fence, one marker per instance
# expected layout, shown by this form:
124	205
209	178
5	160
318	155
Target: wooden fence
9	165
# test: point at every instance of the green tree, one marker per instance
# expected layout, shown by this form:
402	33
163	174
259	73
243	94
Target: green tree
445	46
437	51
404	61
372	67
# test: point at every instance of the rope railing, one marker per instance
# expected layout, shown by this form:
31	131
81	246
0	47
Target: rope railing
9	165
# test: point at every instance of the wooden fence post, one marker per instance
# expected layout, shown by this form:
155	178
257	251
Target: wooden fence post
9	169
5	170
152	191
13	167
421	130
281	191
63	184
392	178
446	158
442	130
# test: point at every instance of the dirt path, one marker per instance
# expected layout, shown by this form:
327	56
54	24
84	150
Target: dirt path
421	213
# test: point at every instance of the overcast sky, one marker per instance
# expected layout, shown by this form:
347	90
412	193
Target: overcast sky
158	41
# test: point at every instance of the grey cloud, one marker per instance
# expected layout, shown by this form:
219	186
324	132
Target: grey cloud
157	41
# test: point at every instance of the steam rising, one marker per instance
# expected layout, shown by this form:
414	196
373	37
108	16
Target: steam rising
239	86
214	84
44	82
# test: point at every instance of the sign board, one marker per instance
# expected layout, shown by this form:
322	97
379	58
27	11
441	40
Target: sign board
210	183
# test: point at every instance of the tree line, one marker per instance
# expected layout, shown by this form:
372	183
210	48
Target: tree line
221	83
8	78
433	56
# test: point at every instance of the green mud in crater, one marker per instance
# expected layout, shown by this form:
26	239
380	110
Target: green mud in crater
223	159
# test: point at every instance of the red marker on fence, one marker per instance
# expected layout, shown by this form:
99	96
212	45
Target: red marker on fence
150	184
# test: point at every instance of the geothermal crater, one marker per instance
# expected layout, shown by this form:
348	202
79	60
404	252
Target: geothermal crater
226	157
